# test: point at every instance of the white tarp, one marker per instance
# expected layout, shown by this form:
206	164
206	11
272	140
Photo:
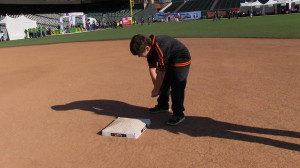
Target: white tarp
16	26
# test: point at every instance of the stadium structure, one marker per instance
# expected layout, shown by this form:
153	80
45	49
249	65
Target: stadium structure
48	13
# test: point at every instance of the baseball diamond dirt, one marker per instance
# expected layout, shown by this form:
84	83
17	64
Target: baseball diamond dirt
242	106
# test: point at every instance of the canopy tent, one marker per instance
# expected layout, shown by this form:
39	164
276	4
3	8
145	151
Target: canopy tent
295	6
297	2
249	7
270	3
270	7
283	2
71	17
16	26
251	4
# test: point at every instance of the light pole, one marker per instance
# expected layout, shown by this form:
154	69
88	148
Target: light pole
131	12
251	8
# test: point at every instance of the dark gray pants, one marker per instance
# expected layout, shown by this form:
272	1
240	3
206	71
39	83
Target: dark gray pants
174	83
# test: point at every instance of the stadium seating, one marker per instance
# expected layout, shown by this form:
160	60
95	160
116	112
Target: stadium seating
149	11
46	20
2	17
205	5
228	4
173	7
196	5
112	15
52	20
48	15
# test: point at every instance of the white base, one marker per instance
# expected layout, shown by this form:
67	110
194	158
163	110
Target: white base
126	127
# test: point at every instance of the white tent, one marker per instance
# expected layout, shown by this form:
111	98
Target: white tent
249	7
282	2
270	3
243	4
16	26
297	2
256	4
71	17
270	7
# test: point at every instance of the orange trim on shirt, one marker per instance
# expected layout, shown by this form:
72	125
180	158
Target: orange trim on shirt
153	40
182	64
156	50
160	54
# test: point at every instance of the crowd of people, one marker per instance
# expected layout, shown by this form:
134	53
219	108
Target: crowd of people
70	28
37	32
95	25
142	21
229	15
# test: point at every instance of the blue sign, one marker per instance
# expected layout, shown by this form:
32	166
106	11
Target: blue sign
196	15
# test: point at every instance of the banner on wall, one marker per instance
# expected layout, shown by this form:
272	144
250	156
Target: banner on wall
160	16
222	13
235	9
196	15
126	21
210	15
182	16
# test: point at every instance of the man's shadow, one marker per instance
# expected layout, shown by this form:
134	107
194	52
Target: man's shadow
194	126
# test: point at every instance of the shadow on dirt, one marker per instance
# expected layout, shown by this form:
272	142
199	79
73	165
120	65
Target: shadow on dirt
193	125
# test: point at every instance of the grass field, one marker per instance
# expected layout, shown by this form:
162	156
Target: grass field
279	26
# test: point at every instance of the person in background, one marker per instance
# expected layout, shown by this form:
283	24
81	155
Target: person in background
121	24
149	20
43	31
3	37
142	21
26	33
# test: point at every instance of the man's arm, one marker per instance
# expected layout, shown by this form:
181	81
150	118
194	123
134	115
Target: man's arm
158	82
153	74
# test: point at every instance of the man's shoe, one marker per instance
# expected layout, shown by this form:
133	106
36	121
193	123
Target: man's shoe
157	109
175	120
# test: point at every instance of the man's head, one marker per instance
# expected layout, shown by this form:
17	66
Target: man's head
140	45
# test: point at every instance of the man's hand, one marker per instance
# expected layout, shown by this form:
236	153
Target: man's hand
155	93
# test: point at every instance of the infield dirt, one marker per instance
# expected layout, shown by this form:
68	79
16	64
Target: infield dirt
242	106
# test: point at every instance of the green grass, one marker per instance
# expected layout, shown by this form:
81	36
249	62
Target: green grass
279	26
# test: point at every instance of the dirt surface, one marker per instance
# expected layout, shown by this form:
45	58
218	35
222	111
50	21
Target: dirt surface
242	106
